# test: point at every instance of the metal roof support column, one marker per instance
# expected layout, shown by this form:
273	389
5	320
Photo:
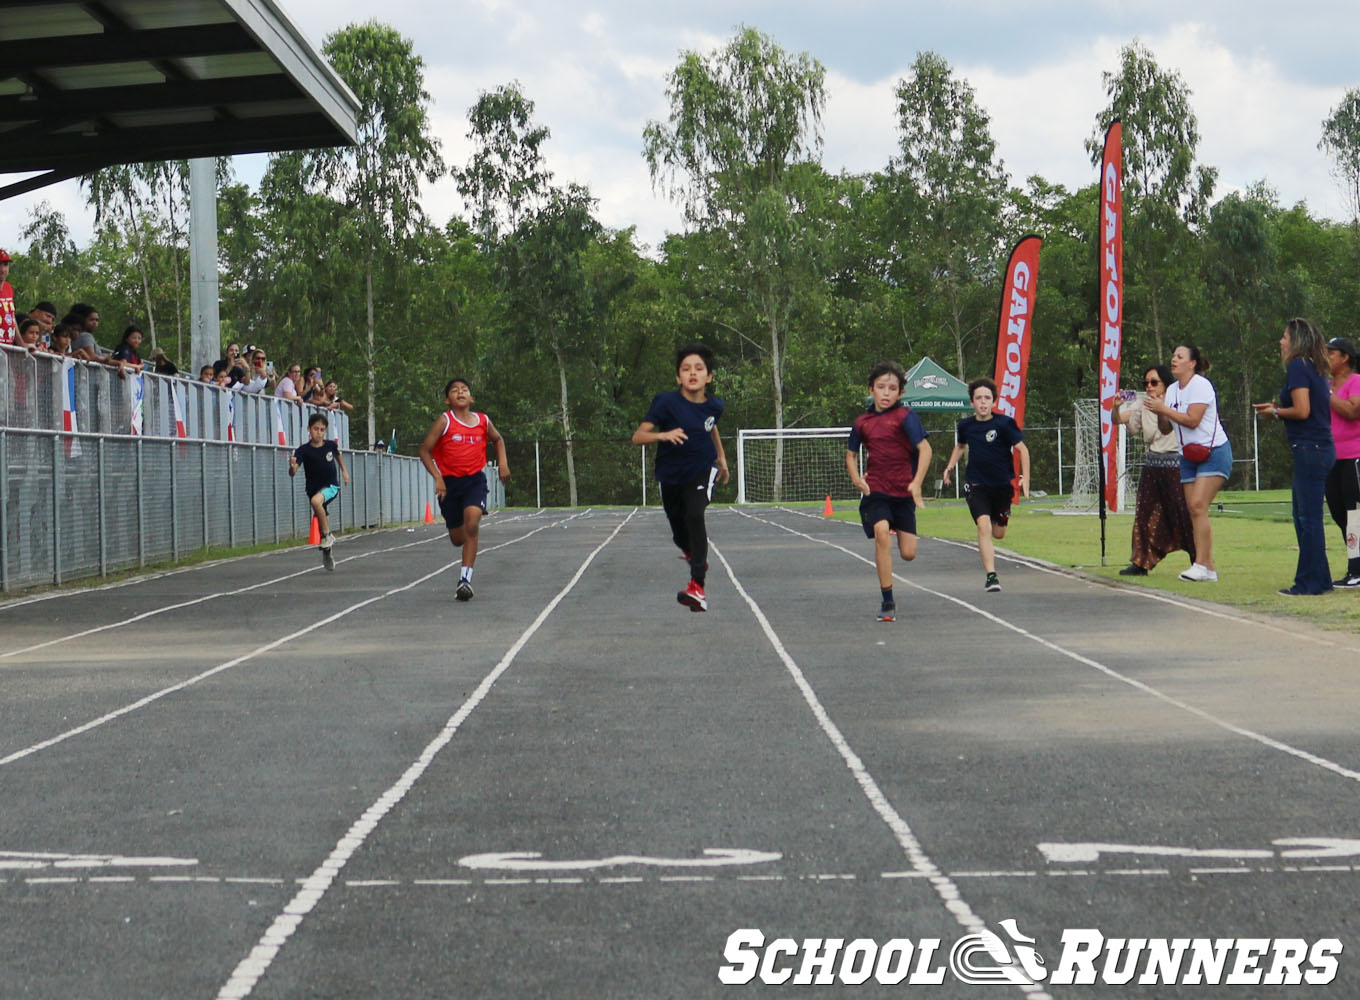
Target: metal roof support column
205	338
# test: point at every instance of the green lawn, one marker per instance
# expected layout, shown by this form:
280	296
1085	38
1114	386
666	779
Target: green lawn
1253	546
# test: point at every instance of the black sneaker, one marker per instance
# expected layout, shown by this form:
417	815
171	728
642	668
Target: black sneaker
1350	580
1133	569
464	591
887	613
992	585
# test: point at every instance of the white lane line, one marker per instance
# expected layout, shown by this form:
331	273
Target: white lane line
248	972
222	667
1041	566
943	885
220	594
1137	685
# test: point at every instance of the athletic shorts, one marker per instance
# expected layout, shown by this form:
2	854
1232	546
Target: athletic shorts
460	493
327	494
1219	463
899	512
989	501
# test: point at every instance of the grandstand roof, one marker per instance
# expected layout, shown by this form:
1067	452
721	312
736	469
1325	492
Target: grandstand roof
86	84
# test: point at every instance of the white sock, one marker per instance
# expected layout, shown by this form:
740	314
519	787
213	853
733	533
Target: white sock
466	574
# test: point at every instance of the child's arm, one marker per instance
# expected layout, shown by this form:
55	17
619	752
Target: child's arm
723	474
1023	452
924	455
852	467
954	457
648	434
502	463
340	461
427	454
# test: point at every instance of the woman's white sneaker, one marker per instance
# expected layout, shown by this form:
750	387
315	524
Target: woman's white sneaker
1200	574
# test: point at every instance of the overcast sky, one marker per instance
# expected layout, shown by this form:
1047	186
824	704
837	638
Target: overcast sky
1263	76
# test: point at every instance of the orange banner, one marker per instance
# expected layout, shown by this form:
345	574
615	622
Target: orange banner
1111	303
1015	332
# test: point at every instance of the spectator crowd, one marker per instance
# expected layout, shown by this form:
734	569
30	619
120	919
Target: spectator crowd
74	336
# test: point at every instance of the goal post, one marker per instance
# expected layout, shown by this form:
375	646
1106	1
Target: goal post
793	464
1086	466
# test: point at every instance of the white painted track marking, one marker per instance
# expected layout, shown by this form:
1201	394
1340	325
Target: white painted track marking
921	863
1110	672
248	972
275	644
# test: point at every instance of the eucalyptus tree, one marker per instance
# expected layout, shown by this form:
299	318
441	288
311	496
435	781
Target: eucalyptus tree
1341	141
378	178
1165	192
950	192
740	153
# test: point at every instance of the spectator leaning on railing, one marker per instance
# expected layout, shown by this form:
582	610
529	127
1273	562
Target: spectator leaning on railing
262	374
46	315
125	356
9	327
30	335
288	385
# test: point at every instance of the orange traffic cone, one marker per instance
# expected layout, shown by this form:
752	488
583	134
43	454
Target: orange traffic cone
314	536
826	511
429	514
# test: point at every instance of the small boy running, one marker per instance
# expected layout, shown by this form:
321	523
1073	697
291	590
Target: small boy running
683	424
454	453
898	457
989	437
322	466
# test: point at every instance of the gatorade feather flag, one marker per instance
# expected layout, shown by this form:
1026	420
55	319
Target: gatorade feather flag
138	393
1015	332
68	406
278	424
1111	304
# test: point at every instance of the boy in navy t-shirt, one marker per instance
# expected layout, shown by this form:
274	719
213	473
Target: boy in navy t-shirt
323	466
683	424
989	437
898	457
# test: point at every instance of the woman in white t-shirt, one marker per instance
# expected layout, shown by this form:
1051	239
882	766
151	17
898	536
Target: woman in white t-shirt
1192	407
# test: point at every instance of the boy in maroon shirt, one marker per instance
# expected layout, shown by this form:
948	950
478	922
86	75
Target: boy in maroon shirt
898	457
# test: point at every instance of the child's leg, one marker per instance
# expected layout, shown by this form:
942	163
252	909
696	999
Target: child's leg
883	554
319	509
470	531
906	545
673	503
985	546
695	502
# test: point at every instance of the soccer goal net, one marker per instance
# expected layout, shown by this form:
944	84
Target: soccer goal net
1086	472
792	464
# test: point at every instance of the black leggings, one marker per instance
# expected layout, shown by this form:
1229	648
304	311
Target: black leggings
1343	496
684	507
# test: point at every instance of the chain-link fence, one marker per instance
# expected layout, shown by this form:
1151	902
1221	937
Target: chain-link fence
79	505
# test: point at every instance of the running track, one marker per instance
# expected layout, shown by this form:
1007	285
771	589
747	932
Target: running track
258	779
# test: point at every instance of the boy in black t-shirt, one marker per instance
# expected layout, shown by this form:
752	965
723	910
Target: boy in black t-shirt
898	457
989	437
323	465
689	456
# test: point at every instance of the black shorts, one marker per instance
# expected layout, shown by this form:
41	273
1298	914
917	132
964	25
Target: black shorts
460	493
989	501
899	512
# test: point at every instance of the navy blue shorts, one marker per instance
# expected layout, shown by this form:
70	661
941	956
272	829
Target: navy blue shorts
989	501
460	493
899	512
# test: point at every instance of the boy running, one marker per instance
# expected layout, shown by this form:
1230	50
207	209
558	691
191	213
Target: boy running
454	453
989	437
322	465
898	457
683	424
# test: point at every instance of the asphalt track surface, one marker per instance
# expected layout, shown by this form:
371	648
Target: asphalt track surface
256	778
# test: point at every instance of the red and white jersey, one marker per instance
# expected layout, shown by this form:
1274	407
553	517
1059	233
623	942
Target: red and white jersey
461	451
9	320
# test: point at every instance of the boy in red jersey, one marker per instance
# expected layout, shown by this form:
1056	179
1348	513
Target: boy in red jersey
454	452
898	457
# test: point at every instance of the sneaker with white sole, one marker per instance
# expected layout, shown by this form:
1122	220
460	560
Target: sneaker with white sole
693	597
992	585
1350	580
327	540
1199	573
888	612
464	591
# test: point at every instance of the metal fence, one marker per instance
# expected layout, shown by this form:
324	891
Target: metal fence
46	392
79	505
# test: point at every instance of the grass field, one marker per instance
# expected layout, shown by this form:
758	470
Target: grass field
1254	548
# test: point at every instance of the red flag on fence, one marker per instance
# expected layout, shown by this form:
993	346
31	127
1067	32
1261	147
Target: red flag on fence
1015	329
1111	304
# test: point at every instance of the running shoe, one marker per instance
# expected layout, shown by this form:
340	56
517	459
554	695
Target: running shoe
1351	580
327	559
992	585
327	541
693	597
1133	569
1199	573
887	613
464	591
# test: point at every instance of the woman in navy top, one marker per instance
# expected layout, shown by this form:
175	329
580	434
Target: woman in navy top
1304	406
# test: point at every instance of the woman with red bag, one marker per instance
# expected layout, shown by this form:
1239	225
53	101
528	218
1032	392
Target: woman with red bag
1206	456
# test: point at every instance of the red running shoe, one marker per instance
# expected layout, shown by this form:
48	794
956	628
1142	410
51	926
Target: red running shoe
693	597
